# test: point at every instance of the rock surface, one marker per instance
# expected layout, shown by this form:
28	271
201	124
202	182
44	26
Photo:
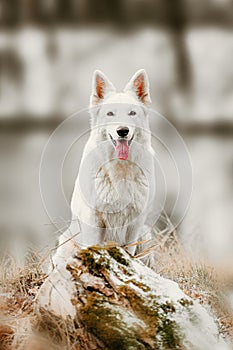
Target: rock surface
122	304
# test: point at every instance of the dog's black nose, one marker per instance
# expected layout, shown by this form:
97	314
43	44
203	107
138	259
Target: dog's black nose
123	131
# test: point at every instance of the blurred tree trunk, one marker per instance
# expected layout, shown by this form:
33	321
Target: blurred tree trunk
9	12
105	10
175	17
64	11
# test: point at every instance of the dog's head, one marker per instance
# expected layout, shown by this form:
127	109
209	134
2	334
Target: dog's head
120	116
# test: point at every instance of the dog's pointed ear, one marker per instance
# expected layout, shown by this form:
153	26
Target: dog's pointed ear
101	87
139	85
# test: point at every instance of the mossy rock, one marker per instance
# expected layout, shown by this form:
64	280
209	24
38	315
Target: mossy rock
126	305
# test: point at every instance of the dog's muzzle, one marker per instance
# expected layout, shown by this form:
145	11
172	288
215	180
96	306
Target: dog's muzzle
122	143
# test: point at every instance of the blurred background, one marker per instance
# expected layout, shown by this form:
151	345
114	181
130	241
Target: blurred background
48	52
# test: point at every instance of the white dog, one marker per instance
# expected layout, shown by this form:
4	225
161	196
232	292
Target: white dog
113	198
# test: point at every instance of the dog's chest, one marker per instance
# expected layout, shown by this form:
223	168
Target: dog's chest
121	188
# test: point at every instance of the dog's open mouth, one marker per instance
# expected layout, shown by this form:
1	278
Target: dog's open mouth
122	147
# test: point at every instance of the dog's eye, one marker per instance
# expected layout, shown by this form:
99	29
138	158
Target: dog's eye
132	113
110	114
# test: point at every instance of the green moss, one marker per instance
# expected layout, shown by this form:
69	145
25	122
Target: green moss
168	307
106	321
185	302
140	285
157	317
145	307
98	259
144	316
167	335
95	260
116	254
116	327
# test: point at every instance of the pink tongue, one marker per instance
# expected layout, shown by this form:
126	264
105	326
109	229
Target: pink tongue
122	149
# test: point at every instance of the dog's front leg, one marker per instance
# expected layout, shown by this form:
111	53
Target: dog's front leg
133	236
67	243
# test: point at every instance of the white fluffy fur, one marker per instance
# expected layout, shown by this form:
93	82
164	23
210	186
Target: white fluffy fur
113	198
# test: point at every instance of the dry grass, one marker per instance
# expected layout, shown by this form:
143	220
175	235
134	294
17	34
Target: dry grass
21	328
18	290
200	280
